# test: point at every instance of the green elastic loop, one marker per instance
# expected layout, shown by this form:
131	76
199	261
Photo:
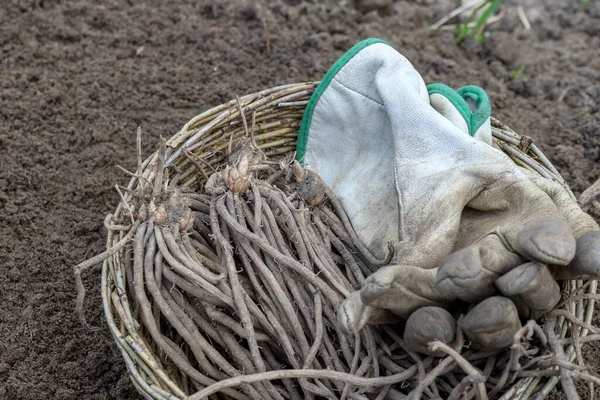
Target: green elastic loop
474	119
312	102
484	108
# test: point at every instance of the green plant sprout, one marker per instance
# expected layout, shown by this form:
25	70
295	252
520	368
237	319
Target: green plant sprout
464	30
517	73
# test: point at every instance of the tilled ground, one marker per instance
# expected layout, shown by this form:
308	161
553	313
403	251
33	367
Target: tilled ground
77	78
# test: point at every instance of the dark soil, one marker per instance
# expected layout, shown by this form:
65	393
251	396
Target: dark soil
78	77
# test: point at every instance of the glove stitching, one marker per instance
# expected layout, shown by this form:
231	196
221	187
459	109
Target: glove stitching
511	285
504	241
357	92
545	253
464	278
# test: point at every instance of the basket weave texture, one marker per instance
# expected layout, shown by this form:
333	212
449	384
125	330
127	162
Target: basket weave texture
273	117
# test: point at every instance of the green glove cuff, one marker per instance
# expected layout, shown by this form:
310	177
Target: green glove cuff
325	82
476	115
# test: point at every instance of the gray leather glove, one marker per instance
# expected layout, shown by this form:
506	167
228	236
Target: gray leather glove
531	286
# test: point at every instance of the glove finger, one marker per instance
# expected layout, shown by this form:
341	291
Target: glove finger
580	222
353	314
492	323
469	274
532	288
586	263
402	289
548	241
426	325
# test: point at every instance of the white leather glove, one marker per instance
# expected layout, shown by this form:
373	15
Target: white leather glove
459	212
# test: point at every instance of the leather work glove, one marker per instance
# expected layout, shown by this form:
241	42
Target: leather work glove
414	167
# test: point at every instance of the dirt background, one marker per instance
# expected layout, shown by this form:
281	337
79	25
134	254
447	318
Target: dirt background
77	78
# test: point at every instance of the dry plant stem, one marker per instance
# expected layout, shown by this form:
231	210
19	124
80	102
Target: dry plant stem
464	7
238	297
371	347
185	272
124	286
272	283
285	208
475	375
566	376
574	320
129	173
113	227
590	194
324	264
182	328
128	266
158	267
140	161
577	295
147	316
340	233
351	264
204	250
318	334
190	156
197	268
272	252
215	267
288	383
90	263
320	254
281	297
202	323
160	164
198	292
206	347
372	260
307	374
354	365
430	378
581	340
257	205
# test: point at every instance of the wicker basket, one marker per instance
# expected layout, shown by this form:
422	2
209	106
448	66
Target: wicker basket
273	117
